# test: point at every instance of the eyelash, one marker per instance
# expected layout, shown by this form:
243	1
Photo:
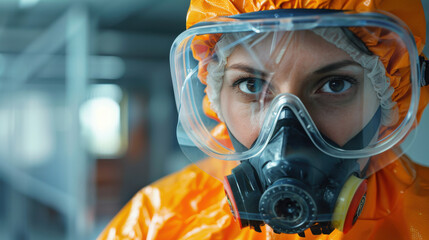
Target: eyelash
349	79
236	84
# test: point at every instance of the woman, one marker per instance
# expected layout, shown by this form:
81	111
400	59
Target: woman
301	113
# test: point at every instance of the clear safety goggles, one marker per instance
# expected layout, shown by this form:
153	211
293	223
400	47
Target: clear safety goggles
338	72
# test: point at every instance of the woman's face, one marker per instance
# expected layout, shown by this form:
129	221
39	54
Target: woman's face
331	85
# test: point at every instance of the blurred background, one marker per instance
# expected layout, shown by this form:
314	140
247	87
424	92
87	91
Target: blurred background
87	114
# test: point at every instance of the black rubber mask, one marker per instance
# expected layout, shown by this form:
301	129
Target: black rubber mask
292	185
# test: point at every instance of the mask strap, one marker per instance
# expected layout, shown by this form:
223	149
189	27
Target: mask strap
424	71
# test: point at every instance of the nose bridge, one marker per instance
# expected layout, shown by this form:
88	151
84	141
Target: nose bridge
288	84
288	109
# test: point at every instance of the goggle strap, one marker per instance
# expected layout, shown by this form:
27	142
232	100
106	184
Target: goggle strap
424	80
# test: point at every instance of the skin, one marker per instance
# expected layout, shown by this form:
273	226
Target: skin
331	85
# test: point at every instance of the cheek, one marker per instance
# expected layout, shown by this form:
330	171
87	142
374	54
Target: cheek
342	124
339	125
238	120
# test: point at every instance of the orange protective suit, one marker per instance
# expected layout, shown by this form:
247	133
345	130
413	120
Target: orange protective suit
191	204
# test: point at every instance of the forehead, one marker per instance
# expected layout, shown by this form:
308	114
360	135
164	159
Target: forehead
297	48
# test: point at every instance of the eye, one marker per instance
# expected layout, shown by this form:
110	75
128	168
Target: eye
251	85
337	85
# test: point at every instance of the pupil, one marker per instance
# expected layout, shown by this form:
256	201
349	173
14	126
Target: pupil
336	85
252	86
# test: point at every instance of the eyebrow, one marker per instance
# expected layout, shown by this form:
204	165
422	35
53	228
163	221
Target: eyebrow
336	65
247	68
